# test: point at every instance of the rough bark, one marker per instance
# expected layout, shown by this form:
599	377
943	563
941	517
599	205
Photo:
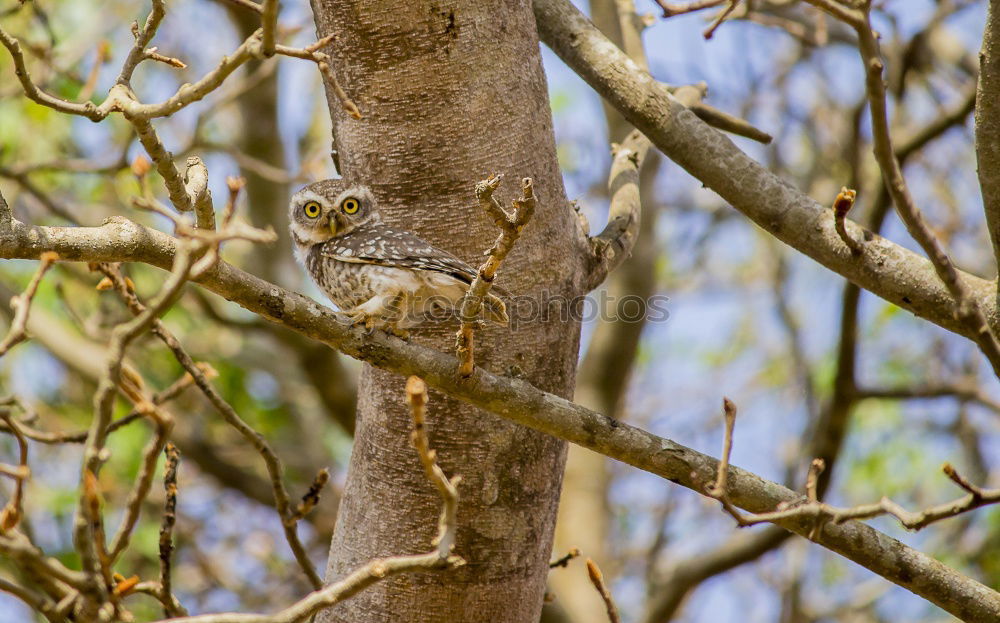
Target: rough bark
451	92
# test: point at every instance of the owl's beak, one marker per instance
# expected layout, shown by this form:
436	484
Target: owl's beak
337	222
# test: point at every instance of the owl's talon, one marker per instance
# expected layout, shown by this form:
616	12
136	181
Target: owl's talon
359	318
402	334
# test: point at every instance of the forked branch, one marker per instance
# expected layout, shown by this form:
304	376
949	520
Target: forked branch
819	513
510	225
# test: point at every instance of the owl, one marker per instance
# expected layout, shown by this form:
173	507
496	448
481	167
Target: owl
381	277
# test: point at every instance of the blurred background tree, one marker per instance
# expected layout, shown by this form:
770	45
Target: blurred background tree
818	367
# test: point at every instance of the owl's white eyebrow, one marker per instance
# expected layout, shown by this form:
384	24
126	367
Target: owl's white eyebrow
307	195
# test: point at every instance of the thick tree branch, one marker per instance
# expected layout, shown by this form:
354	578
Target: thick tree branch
518	401
988	123
887	269
965	305
614	244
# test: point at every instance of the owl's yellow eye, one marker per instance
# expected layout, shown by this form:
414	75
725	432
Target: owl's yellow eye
311	209
350	205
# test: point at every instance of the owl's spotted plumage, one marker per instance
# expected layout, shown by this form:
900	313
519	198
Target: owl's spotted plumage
378	275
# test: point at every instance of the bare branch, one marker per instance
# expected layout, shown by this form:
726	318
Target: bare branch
163	423
171	607
726	122
18	547
37	95
819	513
988	123
275	470
37	602
11	514
841	206
517	401
164	161
158	399
416	395
597	579
322	61
719	18
670	9
563	561
886	269
196	186
614	244
142	38
21	305
311	498
269	25
965	304
377	570
510	225
86	524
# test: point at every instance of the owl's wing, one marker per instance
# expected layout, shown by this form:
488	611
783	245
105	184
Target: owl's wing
387	247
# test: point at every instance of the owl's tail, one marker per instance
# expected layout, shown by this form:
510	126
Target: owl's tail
496	309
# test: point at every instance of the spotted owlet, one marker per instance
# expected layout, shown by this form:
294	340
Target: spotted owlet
381	277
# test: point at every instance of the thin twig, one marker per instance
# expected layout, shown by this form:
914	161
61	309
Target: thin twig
21	305
12	512
967	308
416	395
439	558
597	579
171	607
159	398
142	38
322	60
670	9
274	468
820	513
729	414
163	424
718	19
841	206
510	224
37	95
563	561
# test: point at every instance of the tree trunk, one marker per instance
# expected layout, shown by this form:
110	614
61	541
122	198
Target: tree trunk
451	92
